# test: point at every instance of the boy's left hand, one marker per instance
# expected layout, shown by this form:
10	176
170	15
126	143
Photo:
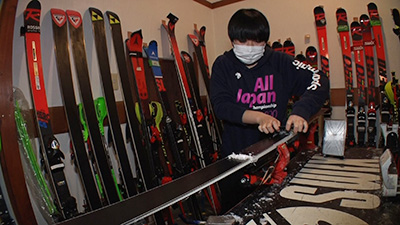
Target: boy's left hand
299	124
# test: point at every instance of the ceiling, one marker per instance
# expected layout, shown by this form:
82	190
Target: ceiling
216	3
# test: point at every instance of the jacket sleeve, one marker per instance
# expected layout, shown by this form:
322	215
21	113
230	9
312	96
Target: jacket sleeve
311	85
222	93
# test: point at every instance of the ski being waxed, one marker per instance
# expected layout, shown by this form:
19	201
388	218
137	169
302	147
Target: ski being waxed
320	22
113	119
97	147
49	144
370	67
60	35
344	33
358	51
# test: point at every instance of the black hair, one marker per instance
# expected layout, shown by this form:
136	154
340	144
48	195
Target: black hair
248	24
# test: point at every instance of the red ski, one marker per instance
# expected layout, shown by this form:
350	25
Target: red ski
358	51
343	29
370	67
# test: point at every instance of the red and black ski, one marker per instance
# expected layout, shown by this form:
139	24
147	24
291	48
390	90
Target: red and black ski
370	67
344	33
381	58
50	146
320	22
289	48
277	46
60	36
358	51
312	56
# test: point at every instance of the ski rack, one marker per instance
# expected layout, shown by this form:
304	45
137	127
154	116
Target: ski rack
145	204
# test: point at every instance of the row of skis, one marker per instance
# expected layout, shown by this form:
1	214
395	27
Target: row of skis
358	41
170	130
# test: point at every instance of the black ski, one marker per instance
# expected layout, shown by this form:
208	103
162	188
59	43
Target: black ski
140	141
96	141
60	35
113	119
396	19
49	144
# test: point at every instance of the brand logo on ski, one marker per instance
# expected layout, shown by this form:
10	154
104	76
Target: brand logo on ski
96	16
113	20
33	14
187	59
194	39
58	17
74	18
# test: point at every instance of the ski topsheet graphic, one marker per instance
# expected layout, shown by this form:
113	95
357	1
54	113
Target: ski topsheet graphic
49	144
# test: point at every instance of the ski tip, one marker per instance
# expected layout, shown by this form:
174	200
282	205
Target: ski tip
172	18
34	4
112	17
138	32
58	16
95	14
153	43
318	9
372	5
340	10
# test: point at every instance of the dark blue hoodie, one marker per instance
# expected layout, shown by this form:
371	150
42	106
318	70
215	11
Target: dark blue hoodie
266	87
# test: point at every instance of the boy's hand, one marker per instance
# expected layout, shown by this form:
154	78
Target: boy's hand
299	124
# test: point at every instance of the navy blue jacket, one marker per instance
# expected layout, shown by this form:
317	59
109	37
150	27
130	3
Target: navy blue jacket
266	87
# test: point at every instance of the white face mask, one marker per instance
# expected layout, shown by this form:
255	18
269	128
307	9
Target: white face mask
248	54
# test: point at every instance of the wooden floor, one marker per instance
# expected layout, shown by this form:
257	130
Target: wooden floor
324	190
